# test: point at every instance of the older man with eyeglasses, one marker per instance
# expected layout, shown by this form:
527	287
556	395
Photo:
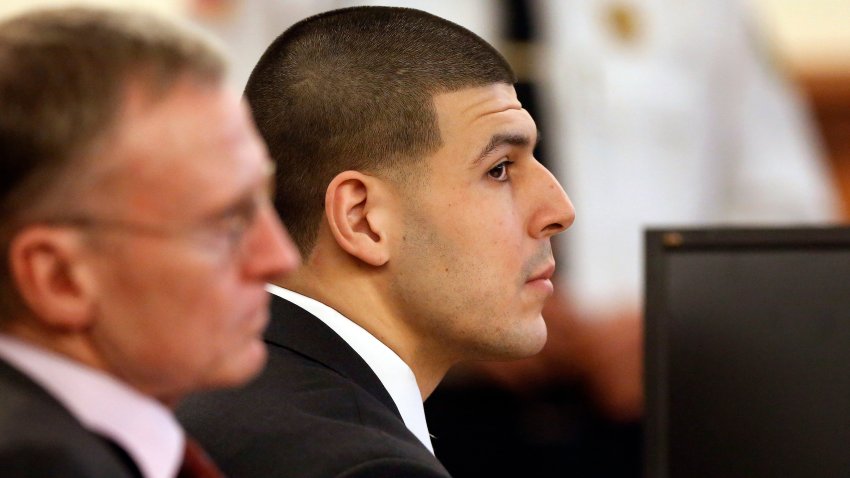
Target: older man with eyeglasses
137	237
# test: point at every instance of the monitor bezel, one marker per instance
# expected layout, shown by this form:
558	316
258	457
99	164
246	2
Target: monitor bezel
659	244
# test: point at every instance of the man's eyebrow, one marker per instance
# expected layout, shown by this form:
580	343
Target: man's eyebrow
500	139
248	194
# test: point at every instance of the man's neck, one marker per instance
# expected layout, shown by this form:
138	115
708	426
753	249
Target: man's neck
361	301
77	346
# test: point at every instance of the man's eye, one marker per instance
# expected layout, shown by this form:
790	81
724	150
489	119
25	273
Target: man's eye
238	221
500	172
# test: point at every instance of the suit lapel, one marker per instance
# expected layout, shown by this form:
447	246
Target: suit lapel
296	329
12	377
60	417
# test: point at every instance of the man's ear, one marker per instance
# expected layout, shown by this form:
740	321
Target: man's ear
48	270
356	210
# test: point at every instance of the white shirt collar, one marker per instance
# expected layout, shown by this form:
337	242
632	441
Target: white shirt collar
142	426
394	374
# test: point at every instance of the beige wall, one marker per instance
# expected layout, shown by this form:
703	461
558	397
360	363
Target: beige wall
813	36
809	35
10	7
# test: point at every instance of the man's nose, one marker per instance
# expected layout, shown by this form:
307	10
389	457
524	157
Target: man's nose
271	253
554	211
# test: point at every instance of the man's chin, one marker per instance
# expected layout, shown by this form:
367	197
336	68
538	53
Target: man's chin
239	370
522	344
533	340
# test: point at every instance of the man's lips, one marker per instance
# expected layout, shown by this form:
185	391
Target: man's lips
545	273
540	280
259	315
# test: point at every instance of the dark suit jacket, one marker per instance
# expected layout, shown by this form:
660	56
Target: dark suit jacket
39	438
316	411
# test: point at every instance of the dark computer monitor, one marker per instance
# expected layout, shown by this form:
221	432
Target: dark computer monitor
748	353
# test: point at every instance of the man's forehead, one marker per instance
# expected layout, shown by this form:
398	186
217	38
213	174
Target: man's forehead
471	118
186	99
194	135
191	115
478	100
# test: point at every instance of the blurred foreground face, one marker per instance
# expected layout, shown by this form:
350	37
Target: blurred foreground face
183	239
476	258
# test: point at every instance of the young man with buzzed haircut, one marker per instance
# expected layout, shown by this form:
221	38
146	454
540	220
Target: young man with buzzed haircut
137	236
405	173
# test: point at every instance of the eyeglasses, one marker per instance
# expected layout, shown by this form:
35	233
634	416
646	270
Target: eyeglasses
224	230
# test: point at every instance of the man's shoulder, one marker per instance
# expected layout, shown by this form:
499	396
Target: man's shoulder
290	387
27	410
65	457
302	419
39	437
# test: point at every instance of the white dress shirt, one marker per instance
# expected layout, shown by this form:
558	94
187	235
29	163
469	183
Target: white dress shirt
140	425
394	374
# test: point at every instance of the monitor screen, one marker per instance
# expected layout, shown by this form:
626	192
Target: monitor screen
748	353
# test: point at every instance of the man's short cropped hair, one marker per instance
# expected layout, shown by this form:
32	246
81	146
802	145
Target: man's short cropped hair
64	74
352	89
